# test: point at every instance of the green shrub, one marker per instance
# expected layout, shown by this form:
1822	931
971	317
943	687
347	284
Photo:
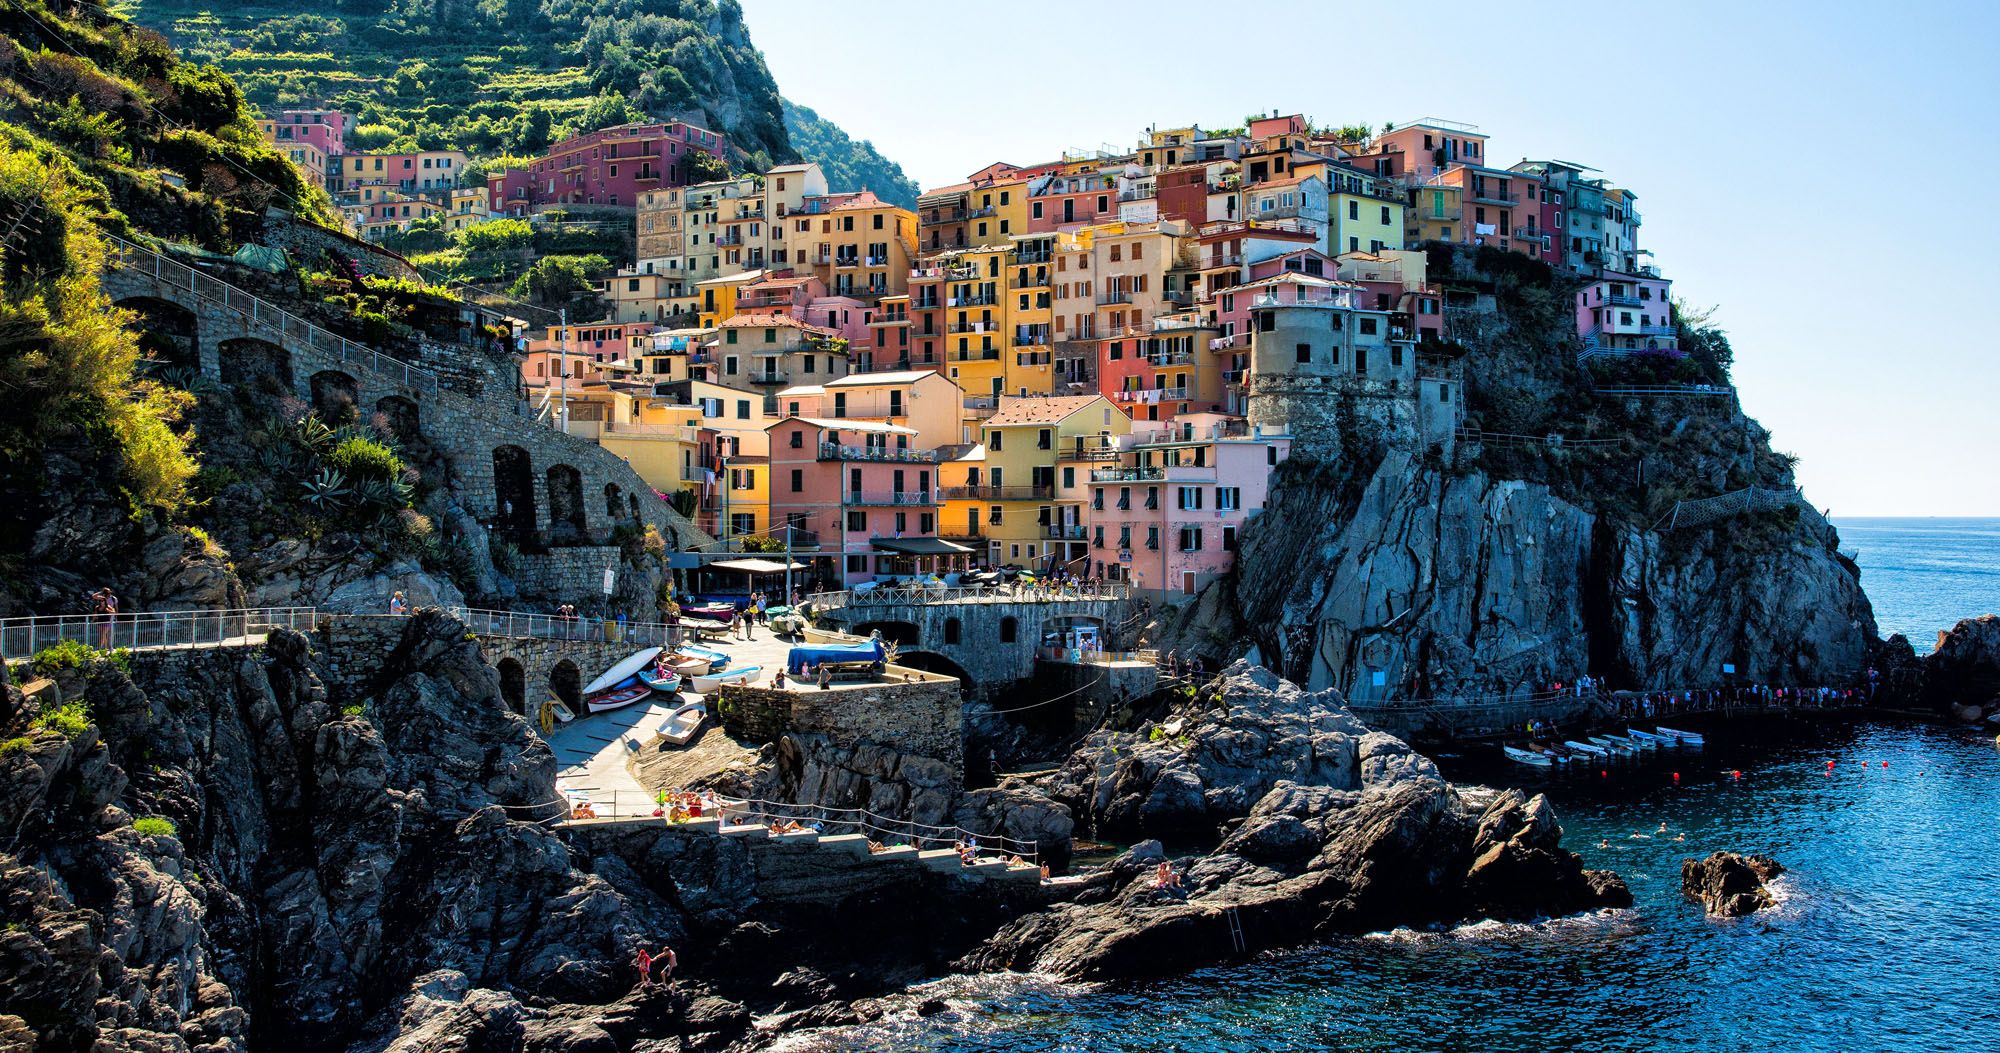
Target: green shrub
68	720
66	654
154	826
15	745
364	460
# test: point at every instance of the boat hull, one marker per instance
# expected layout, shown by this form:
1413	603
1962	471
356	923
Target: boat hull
716	681
619	699
621	671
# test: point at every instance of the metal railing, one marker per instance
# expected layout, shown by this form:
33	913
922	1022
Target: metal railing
1085	656
1127	475
889	499
26	636
1027	492
525	626
260	314
897	595
1723	506
829	451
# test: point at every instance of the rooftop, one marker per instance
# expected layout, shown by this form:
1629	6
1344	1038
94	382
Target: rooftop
852	425
1048	409
863	380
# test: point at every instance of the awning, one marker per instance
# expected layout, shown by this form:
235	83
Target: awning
920	546
754	566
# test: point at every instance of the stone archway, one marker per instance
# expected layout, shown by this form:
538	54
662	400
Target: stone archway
253	363
933	662
513	685
401	417
566	683
514	494
613	507
169	334
902	634
336	397
566	515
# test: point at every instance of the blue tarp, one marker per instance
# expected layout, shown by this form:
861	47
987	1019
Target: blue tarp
817	654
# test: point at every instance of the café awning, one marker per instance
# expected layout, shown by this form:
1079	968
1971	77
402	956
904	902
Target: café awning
754	566
920	546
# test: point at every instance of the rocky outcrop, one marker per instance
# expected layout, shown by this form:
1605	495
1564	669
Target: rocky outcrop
1309	863
1962	675
1729	885
1213	758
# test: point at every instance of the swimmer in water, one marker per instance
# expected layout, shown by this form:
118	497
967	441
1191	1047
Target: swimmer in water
1642	837
1662	829
1680	837
1606	843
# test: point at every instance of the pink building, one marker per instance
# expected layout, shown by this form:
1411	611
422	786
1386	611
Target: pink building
1168	519
590	347
325	129
1627	314
610	167
863	492
1423	150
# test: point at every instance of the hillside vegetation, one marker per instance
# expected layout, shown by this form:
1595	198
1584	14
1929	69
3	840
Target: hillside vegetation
509	77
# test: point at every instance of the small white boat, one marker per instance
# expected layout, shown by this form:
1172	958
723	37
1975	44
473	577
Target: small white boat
1620	746
622	671
1646	739
734	677
689	665
715	659
1528	757
1585	747
617	698
1686	738
682	726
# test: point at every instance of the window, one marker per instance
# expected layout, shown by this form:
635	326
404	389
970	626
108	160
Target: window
1354	210
951	630
1368	326
743	478
1044	439
1190	539
1228	498
1305	353
1190	498
1385	215
798	479
1360	361
857	522
993	440
742	409
798	439
1229	539
1153	537
1009	629
993	515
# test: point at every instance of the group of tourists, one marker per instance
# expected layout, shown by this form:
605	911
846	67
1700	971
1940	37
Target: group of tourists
1759	696
571	625
1176	667
687	804
104	604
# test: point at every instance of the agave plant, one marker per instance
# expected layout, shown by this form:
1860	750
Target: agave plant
327	490
313	433
278	461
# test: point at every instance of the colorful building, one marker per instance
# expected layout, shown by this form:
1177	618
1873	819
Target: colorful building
1168	515
858	244
614	166
424	171
863	492
1025	441
1623	313
324	130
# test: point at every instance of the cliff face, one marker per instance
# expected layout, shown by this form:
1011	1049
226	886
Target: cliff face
1389	572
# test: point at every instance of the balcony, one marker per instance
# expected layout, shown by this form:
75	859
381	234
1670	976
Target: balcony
1224	343
982	403
1114	297
833	451
1031	336
1127	475
988	354
1089	451
1065	532
972	327
1181	358
984	299
875	261
1031	492
846	261
757	300
889	499
943	215
730	237
1023	258
979	213
1222	259
1621	300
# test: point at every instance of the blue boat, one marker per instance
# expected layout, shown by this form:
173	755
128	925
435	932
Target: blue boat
867	652
717	660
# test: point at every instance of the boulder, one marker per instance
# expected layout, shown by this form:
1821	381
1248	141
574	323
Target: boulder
1964	670
1729	885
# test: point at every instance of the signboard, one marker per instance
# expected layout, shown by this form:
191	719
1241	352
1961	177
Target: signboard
1381	678
610	580
1729	667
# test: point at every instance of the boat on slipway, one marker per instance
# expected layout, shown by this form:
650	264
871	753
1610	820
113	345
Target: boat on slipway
620	685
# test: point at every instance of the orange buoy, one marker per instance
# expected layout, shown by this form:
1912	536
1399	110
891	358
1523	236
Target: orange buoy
1677	776
1735	773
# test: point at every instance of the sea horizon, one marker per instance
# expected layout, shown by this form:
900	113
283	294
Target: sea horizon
1925	574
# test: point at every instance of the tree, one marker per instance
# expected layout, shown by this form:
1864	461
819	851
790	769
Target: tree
570	282
531	132
606	111
705	167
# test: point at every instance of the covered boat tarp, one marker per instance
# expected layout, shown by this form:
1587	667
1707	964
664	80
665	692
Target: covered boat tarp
755	566
838	654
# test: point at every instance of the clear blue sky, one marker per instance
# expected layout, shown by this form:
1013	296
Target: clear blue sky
1816	171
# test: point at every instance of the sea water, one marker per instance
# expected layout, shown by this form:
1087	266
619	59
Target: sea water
1923	575
1886	936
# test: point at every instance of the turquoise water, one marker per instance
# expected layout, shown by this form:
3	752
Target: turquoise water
1885	937
1923	575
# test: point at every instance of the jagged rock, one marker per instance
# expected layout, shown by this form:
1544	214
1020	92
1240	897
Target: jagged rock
1019	814
1729	885
1965	668
1307	863
1217	756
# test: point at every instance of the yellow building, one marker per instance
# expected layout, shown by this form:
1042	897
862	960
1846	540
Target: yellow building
858	244
715	298
1030	516
996	211
1439	215
1365	212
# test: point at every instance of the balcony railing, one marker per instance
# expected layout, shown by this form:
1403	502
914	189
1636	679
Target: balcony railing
1127	475
987	354
1180	358
1622	300
889	499
1090	451
1223	343
972	327
847	261
1115	296
1065	532
833	451
1223	259
1030	492
988	403
983	299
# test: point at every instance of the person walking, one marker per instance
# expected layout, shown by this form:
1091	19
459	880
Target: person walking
106	604
398	606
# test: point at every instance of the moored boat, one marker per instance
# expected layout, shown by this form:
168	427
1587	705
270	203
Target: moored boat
682	726
1586	747
1646	739
717	660
1685	738
1528	757
1618	745
621	671
616	698
738	677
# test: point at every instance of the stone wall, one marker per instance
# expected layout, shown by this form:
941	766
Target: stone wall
307	242
574	571
351	650
989	662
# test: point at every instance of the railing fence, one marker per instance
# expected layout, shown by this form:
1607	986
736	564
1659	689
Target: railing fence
26	636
